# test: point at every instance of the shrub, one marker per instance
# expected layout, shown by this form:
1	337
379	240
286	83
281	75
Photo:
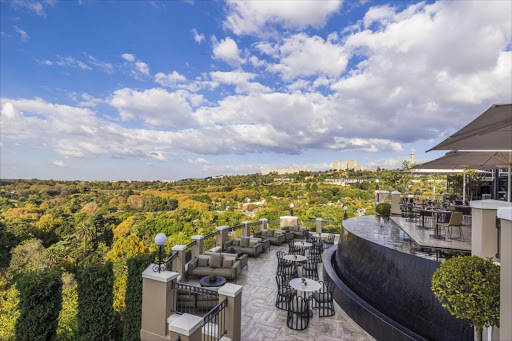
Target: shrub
383	209
133	313
40	304
95	302
469	287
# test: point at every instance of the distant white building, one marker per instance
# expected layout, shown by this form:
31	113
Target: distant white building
344	181
346	165
281	171
336	165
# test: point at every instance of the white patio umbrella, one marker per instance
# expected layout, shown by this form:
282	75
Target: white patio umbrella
473	160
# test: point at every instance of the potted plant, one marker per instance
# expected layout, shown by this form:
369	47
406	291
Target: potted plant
231	249
384	210
469	288
303	279
212	278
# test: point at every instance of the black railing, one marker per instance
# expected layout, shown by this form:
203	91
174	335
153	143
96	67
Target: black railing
165	265
209	240
188	251
498	232
332	226
194	300
214	323
274	224
253	227
310	224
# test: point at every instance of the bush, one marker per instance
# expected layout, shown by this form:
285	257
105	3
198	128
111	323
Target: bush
133	313
469	287
95	302
383	209
39	305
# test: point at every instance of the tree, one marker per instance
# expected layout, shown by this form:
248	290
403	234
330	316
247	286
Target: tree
84	232
469	287
29	256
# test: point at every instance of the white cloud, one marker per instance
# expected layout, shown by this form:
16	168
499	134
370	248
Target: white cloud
59	163
241	80
175	80
227	51
32	5
128	57
199	161
301	55
259	17
88	63
156	107
23	35
197	37
89	101
142	67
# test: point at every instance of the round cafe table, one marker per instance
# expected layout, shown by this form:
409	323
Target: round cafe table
302	244
297	258
321	235
308	289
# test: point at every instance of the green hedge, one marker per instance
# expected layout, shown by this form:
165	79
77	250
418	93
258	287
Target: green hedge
133	299
39	305
95	299
383	209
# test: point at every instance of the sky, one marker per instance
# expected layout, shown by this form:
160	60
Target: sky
165	90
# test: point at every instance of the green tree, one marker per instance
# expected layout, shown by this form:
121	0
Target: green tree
85	232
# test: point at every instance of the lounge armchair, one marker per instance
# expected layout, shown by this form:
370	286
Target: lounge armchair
275	237
299	231
218	264
249	246
288	233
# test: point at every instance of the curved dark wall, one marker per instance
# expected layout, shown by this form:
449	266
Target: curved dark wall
398	285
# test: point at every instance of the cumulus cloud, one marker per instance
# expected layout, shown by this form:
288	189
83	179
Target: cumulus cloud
260	17
34	6
199	161
128	57
241	80
59	164
142	67
175	80
197	36
227	51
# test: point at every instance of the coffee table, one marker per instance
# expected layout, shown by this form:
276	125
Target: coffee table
205	281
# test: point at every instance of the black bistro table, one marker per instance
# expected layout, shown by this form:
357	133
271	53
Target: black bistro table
205	281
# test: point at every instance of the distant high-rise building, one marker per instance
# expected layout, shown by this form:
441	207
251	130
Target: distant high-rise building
344	165
336	165
412	156
351	164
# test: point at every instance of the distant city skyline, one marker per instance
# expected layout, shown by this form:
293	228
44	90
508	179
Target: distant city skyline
154	90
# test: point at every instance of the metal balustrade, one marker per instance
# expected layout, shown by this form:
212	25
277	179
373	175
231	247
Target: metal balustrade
194	300
214	323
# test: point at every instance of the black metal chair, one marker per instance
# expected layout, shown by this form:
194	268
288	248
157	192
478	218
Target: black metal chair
287	268
298	312
315	252
324	299
329	241
310	270
292	249
280	255
283	292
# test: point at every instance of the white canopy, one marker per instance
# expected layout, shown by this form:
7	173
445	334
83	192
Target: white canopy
491	131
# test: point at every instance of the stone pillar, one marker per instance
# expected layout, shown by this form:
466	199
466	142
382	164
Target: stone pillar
286	221
233	293
198	248
222	237
178	263
319	225
483	227
395	203
158	303
187	327
263	224
505	214
383	197
246	229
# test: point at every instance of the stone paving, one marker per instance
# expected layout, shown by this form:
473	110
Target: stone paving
261	320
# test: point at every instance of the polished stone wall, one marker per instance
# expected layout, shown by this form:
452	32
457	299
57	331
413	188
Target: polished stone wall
397	284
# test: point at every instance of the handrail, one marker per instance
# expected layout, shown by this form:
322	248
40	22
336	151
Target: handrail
192	243
194	300
214	322
163	265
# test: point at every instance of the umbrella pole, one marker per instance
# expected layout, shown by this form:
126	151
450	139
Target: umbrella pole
464	186
509	189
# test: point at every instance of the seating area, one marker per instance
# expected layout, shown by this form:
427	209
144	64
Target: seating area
219	264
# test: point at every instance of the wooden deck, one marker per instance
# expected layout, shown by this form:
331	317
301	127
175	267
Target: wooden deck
422	236
261	320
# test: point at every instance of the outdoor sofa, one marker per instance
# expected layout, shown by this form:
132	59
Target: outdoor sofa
276	237
219	264
244	259
249	246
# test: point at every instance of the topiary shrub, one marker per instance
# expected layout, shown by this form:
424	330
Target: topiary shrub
469	287
39	305
383	209
95	300
133	314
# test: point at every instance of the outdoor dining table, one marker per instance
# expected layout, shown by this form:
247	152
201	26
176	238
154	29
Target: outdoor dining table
296	258
441	217
423	213
302	244
321	235
308	289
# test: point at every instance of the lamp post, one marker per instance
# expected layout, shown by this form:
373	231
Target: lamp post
346	215
291	208
160	240
377	184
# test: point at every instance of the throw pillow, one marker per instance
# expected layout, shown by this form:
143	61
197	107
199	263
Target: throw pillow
227	263
236	242
252	242
216	261
270	233
202	262
244	242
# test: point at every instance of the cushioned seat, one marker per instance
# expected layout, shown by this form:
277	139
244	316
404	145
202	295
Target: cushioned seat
249	246
275	237
223	265
322	297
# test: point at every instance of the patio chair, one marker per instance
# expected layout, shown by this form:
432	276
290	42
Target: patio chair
283	292
292	249
329	241
280	255
287	268
315	252
298	313
324	299
310	270
455	221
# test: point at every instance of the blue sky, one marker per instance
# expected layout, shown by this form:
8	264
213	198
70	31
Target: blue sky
169	90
